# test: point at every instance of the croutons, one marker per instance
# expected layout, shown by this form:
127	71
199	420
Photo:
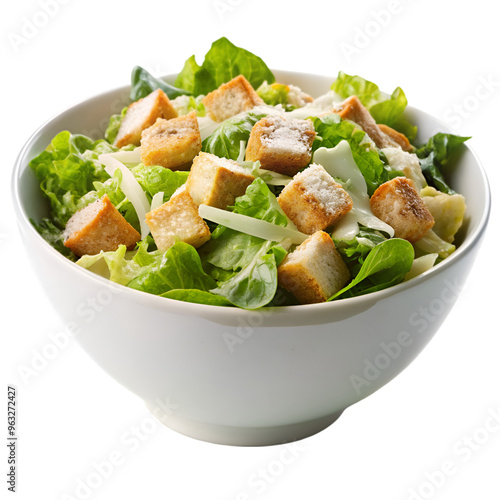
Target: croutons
141	115
230	99
281	144
314	201
314	271
99	226
216	181
397	203
177	220
352	109
397	137
171	143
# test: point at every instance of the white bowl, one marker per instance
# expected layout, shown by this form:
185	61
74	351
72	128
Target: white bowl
240	377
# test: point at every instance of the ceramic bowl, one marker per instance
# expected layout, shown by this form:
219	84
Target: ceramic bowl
231	376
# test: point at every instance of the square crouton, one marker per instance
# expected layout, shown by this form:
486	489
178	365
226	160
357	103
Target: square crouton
230	99
397	203
177	220
314	201
352	109
216	181
99	226
281	144
141	115
400	139
172	143
314	271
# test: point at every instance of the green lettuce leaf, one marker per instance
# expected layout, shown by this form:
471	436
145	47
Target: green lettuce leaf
179	268
143	83
155	178
54	236
225	141
354	251
66	171
197	297
249	277
384	108
114	126
222	63
256	284
331	130
435	155
260	203
274	94
386	265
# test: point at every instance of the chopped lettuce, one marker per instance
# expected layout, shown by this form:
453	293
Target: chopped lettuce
331	130
222	63
436	154
179	268
354	251
384	108
386	265
154	179
225	141
114	125
143	83
274	94
250	262
66	171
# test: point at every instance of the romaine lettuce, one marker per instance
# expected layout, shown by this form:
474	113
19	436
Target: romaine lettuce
223	62
225	141
66	171
386	265
179	268
384	108
436	154
331	130
143	83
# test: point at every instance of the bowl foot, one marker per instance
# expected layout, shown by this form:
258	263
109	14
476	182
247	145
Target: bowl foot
243	436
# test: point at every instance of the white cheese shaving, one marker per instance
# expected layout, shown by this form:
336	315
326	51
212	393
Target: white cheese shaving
131	188
249	225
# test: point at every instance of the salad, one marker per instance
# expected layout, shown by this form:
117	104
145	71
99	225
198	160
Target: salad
231	189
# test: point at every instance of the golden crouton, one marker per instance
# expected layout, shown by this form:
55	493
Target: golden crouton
281	144
230	99
177	220
397	203
171	143
314	271
216	181
141	115
352	109
314	201
99	226
397	137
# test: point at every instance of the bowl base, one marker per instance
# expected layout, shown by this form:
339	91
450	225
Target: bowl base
243	436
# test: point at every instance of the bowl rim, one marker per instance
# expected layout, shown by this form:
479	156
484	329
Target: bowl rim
304	313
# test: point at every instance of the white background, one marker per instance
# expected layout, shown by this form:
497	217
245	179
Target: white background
72	416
